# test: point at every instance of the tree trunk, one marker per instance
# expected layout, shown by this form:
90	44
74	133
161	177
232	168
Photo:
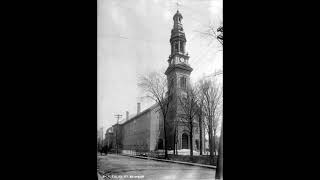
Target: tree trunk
211	141
200	130
177	148
210	144
191	138
210	138
214	142
174	141
219	170
165	138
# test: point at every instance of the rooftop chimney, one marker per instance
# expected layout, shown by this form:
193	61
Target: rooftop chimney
127	115
138	108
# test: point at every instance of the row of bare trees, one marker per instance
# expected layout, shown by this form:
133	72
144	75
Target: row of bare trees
199	105
212	32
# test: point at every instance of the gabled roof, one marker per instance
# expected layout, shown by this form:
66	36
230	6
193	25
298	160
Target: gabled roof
138	115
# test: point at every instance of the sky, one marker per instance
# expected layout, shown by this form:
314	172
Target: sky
133	39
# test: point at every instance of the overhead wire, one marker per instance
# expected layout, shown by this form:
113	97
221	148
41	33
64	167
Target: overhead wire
201	55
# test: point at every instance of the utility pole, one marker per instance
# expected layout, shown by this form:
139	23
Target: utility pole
101	140
219	170
102	136
118	116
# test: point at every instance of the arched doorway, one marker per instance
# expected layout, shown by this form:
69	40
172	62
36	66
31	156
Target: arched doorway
185	143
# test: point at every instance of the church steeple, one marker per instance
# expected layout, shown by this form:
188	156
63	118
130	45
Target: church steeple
178	75
178	42
177	18
179	70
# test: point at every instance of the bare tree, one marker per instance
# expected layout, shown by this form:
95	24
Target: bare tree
214	32
212	95
155	87
175	140
220	36
188	112
200	116
215	124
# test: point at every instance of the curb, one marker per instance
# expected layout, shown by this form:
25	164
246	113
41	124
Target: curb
178	162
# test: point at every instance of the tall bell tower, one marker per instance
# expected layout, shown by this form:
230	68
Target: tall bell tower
178	73
179	68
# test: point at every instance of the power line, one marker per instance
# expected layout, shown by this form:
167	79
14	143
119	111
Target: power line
192	17
167	7
203	54
217	73
203	58
133	39
118	116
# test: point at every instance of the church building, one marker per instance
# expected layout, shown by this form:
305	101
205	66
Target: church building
144	132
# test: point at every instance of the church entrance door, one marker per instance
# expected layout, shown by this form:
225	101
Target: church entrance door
185	138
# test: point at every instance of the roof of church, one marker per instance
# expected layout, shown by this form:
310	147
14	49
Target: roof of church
131	117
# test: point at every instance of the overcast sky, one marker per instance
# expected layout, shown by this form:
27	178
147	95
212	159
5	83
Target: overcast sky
133	39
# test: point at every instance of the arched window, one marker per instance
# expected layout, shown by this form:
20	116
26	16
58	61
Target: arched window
181	46
183	82
176	47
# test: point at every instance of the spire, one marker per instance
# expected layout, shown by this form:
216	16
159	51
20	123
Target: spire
179	70
177	19
178	41
177	14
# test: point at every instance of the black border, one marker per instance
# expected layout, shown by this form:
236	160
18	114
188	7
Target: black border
52	91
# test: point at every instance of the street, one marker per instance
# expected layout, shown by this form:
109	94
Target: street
123	167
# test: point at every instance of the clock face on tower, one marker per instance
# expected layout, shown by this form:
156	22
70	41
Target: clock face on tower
181	59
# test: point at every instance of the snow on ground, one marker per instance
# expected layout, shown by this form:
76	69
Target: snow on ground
182	152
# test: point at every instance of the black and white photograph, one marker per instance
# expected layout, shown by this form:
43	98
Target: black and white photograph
160	89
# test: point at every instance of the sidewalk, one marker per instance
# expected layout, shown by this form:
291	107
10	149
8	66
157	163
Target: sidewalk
165	160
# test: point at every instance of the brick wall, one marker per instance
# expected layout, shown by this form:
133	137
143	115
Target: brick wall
136	133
